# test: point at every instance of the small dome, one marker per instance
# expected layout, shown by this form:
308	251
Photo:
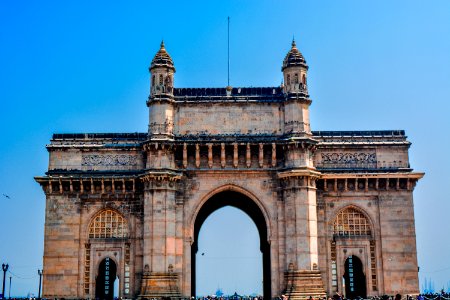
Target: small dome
162	59
294	58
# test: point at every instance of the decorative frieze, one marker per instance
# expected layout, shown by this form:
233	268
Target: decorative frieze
348	160
108	160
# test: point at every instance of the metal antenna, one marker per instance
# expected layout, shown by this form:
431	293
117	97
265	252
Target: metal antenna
228	51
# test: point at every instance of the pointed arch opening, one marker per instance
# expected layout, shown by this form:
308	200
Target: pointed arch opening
251	208
353	232
105	283
354	278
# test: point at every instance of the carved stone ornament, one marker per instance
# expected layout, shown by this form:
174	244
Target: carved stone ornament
109	160
349	159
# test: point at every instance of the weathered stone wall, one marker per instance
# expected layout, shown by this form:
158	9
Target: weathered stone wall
61	248
229	118
69	212
354	156
392	219
398	242
96	160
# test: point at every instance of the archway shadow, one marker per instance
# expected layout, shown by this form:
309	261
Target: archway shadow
247	205
355	280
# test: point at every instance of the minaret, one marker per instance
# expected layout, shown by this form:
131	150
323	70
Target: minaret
296	90
160	101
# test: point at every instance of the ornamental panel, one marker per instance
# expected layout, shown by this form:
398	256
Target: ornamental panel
351	222
108	224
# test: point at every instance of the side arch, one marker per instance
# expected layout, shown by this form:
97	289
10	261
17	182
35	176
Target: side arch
352	230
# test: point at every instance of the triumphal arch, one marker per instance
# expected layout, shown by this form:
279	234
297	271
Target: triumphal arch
334	209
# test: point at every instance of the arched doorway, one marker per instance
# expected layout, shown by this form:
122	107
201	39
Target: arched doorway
104	283
354	278
247	205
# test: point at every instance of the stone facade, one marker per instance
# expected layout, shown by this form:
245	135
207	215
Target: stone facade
327	204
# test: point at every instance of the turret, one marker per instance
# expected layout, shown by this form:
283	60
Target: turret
296	108
295	72
160	101
162	70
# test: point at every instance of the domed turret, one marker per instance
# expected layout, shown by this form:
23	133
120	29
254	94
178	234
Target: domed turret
162	70
296	107
160	102
162	59
294	58
295	71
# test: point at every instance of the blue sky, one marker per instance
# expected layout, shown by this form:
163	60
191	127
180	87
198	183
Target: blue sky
81	66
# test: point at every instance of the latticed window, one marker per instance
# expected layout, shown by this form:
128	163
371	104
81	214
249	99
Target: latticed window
108	224
351	222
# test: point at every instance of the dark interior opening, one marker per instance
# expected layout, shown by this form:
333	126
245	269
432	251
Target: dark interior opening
355	280
104	283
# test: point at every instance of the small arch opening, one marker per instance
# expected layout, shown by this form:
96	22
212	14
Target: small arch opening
106	279
354	278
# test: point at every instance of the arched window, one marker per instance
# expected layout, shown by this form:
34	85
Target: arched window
161	82
296	78
153	80
288	79
304	79
168	81
351	222
108	224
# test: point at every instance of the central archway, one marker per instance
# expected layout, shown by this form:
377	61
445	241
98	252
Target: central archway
247	205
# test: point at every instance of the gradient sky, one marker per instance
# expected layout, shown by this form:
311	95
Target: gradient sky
81	66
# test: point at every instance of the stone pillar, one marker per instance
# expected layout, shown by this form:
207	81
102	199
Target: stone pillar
302	276
162	267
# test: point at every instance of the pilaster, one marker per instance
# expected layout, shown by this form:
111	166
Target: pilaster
162	257
302	276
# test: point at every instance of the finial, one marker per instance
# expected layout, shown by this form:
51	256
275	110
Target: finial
162	43
293	42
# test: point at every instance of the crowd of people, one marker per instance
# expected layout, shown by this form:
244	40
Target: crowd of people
429	296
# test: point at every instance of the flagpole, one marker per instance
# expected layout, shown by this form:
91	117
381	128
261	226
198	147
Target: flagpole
228	52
